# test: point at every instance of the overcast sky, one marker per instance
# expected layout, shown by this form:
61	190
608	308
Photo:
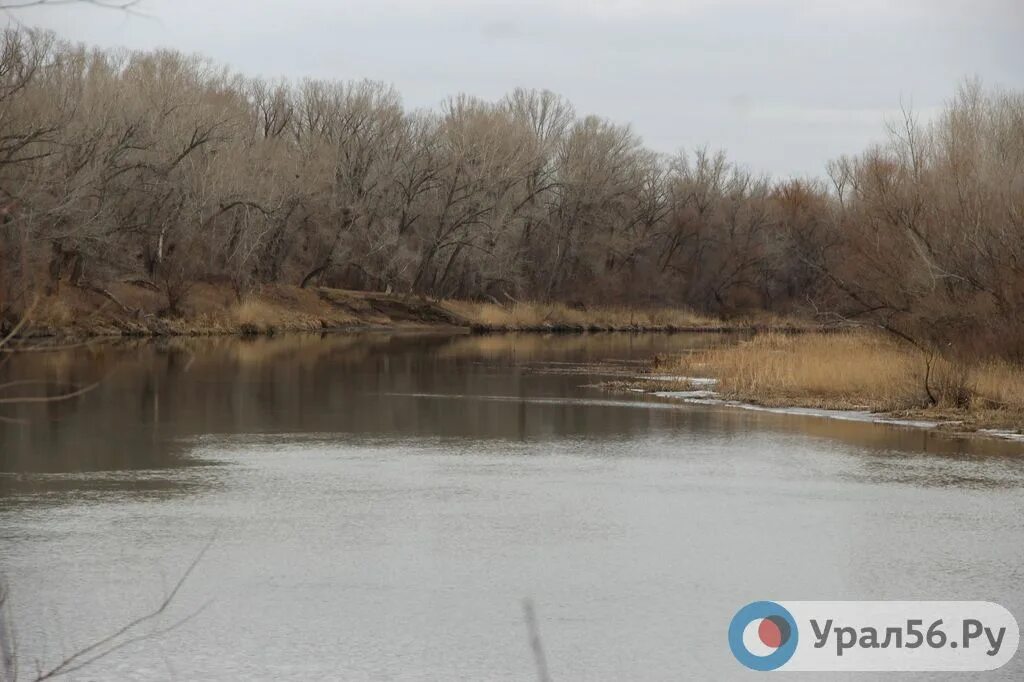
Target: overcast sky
782	85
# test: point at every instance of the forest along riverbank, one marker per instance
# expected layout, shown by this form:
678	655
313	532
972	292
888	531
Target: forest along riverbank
856	374
140	308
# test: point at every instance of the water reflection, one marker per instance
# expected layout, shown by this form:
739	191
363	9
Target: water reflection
32	490
153	394
382	503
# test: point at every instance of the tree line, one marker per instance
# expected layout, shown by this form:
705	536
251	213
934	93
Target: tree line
167	169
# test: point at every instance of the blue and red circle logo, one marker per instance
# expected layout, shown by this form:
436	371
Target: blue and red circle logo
762	635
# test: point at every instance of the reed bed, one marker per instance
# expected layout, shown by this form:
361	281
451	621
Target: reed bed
860	370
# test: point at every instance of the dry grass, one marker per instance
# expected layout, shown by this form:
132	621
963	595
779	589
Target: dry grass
858	370
206	309
214	308
266	311
1000	382
528	316
826	370
53	312
256	315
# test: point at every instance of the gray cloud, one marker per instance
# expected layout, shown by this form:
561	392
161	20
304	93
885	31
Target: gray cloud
782	85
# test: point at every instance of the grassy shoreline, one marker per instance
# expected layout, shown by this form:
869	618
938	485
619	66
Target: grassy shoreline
856	370
138	309
787	363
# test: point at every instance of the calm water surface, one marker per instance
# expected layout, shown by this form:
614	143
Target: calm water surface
378	507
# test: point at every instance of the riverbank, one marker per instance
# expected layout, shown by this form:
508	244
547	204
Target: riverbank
138	308
858	374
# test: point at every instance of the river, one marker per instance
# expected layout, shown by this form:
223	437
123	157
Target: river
378	506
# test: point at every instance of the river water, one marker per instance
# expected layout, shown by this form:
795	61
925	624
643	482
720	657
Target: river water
379	506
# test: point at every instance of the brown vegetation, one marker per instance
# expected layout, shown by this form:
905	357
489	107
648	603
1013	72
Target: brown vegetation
536	316
163	172
862	371
930	229
126	308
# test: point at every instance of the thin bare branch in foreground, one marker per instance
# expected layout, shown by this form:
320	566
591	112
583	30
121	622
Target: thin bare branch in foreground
21	323
8	662
49	398
125	635
535	642
44	348
105	4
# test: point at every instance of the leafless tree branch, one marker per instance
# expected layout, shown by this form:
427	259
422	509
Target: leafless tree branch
126	634
536	645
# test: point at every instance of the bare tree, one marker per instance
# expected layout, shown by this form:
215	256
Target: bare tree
931	230
169	171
